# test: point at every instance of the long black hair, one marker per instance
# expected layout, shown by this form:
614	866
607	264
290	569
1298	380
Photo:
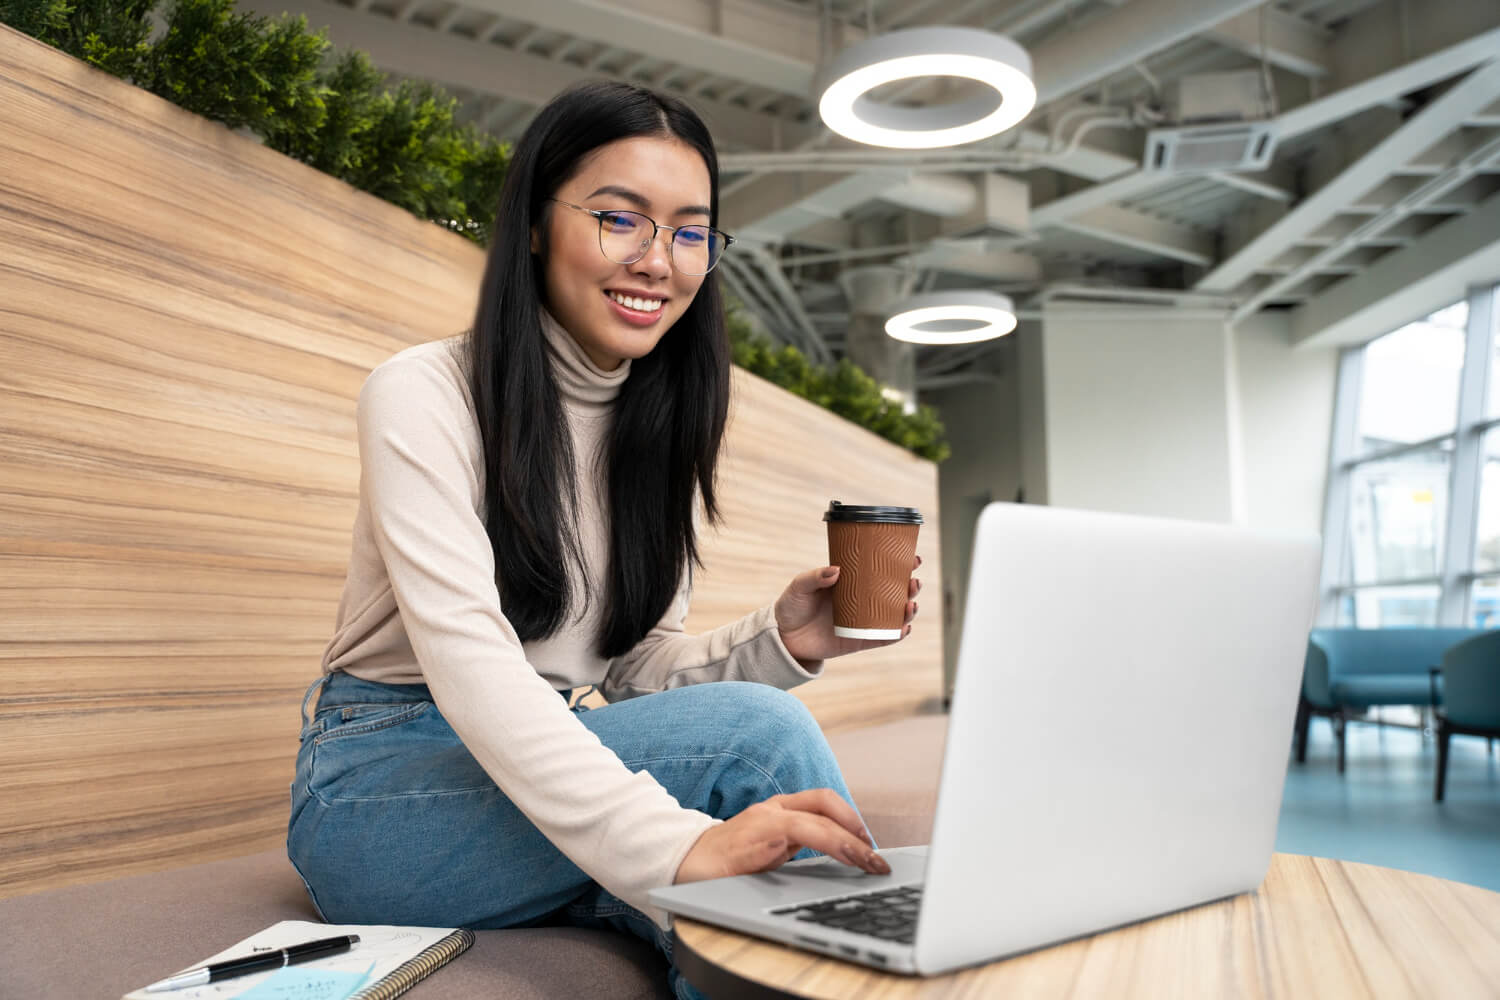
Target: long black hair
668	417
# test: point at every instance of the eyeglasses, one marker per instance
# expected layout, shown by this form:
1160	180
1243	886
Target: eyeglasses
624	237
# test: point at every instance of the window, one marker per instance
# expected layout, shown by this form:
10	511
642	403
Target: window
1390	607
1410	387
1412	535
1398	512
1484	609
1487	537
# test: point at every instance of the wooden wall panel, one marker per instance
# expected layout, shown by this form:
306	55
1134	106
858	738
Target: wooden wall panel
185	321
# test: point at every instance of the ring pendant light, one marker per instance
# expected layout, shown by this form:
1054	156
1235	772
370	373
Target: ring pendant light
990	314
989	58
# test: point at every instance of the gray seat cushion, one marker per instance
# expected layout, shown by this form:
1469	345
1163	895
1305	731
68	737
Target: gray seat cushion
892	772
107	938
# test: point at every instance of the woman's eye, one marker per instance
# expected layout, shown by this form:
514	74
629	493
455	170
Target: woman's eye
616	220
694	236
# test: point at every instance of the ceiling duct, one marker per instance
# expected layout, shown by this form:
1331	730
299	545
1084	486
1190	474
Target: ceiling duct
1224	122
936	194
1210	148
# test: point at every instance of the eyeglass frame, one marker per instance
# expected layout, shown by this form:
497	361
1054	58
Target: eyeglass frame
600	213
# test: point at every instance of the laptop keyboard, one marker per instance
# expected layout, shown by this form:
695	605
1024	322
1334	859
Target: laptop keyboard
890	914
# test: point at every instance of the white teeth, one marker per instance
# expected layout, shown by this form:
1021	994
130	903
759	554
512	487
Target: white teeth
639	305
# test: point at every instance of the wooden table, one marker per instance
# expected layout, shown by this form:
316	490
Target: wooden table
1316	928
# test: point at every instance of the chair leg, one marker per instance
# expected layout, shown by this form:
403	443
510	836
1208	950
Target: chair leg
1338	734
1442	761
1299	731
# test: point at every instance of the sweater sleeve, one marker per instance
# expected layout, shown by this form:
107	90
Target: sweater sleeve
749	649
419	474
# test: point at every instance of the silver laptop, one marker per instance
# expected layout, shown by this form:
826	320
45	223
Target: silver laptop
1116	750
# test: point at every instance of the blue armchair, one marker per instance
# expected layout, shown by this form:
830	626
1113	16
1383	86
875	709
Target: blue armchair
1471	697
1351	669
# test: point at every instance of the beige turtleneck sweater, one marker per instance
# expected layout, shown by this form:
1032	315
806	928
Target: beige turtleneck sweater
420	606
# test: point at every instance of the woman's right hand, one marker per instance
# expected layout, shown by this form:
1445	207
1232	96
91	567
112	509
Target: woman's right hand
769	834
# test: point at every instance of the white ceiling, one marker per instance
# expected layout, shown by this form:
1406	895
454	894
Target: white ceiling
1387	112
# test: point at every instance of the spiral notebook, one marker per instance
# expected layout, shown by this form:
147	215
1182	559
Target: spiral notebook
387	962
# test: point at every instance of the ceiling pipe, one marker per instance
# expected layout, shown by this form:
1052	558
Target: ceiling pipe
1072	60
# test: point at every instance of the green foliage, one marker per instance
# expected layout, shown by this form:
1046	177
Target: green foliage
273	77
244	70
845	389
44	19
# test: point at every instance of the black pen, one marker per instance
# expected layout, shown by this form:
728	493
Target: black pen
256	963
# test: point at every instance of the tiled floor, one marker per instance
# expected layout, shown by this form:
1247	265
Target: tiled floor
1381	810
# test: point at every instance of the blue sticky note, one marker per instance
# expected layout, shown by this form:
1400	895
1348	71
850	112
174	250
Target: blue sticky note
296	982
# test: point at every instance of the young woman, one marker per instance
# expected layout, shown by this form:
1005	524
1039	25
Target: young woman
527	526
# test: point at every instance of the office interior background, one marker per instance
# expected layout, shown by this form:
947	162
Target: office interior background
1253	252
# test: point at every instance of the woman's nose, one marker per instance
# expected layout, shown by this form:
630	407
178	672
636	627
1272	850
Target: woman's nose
657	260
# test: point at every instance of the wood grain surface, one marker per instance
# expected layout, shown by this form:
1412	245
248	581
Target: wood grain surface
186	319
1315	928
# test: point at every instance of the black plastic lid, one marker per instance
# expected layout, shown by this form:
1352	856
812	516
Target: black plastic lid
881	515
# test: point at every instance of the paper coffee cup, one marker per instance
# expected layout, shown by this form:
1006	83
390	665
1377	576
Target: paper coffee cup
875	549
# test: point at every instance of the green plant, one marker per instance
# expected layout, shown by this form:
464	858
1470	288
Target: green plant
274	77
844	388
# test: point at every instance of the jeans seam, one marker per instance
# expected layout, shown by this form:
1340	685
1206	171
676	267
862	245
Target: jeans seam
396	796
711	756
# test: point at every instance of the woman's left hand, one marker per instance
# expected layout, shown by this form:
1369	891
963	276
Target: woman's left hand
804	616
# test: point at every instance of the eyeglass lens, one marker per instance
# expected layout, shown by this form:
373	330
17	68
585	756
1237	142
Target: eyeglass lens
625	236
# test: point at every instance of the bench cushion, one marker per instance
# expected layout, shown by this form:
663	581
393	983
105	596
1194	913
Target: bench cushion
125	933
105	939
892	772
1364	690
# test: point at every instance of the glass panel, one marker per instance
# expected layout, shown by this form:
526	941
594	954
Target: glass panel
1399	511
1390	607
1487	537
1493	409
1484	605
1410	386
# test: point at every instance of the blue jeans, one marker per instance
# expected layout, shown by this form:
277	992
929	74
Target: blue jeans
394	822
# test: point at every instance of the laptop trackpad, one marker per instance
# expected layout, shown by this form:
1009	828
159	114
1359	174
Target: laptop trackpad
823	876
814	878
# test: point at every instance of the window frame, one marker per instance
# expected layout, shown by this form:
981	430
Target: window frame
1456	571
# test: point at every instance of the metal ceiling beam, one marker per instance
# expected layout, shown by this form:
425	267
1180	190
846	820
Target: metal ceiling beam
1129	185
775	47
1289	41
1436	270
1429	191
1260	188
1456	35
1419	132
1139	231
488	69
1071	60
1459	41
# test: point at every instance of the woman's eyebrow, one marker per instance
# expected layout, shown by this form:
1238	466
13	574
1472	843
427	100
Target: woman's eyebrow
639	202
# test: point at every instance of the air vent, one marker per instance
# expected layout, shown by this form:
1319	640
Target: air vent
1204	148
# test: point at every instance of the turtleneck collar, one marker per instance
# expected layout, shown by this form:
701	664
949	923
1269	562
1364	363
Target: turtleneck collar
583	384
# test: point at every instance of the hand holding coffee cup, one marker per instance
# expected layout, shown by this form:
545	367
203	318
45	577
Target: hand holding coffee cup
808	614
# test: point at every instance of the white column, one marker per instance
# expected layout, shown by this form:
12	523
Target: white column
891	362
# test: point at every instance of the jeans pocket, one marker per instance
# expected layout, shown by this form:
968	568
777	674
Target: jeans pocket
353	720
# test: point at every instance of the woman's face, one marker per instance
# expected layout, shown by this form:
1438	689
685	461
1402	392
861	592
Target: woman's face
663	178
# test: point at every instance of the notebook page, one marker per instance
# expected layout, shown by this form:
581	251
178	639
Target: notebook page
386	946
